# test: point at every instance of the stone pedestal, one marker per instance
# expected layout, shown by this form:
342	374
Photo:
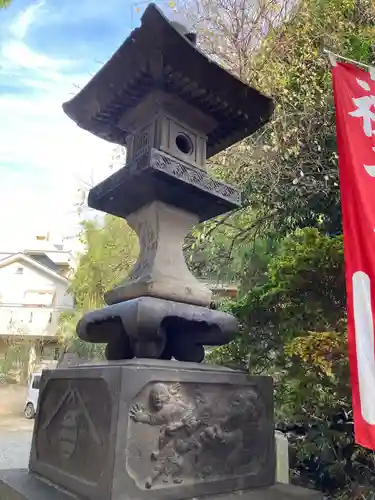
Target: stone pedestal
142	429
21	485
150	429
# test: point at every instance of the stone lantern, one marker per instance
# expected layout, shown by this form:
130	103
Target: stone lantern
172	108
151	422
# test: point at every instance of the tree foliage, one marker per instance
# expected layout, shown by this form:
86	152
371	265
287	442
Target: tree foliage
110	249
296	165
5	3
299	289
288	170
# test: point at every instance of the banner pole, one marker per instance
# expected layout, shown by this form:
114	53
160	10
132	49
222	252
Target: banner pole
332	59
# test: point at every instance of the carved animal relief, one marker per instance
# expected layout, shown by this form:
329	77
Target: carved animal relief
72	428
188	433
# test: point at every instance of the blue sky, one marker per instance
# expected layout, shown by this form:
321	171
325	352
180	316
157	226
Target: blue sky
48	49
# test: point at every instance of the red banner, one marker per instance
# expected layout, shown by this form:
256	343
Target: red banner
354	93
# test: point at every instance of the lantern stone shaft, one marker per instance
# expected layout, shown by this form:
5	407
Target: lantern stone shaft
161	270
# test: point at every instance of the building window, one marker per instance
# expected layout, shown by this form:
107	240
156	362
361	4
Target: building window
19	270
31	318
56	354
50	318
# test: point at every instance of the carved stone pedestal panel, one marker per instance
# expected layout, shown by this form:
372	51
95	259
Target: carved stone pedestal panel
153	430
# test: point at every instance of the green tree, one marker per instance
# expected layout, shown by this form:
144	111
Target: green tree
293	163
297	290
4	3
288	170
110	249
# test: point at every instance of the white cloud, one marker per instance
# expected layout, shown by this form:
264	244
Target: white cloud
20	26
44	156
52	157
18	54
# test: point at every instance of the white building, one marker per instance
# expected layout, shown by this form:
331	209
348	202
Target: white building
33	293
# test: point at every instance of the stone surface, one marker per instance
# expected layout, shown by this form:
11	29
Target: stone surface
155	175
282	458
160	270
15	451
173	430
154	125
155	328
20	485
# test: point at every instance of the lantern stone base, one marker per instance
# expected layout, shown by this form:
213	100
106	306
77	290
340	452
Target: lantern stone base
147	327
22	485
151	429
164	430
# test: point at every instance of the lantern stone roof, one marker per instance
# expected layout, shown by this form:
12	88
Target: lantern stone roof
158	56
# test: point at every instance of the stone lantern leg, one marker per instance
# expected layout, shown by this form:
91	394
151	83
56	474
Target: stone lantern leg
151	423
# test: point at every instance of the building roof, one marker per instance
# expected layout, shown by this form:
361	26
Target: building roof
57	256
159	56
53	251
19	257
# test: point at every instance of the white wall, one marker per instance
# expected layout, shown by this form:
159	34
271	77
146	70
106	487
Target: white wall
20	295
63	298
16	287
